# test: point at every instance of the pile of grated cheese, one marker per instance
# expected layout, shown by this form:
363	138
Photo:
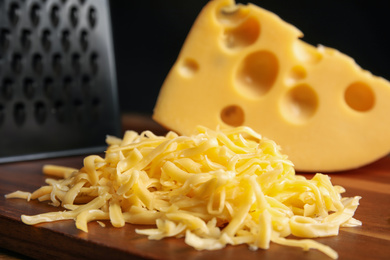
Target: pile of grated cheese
215	188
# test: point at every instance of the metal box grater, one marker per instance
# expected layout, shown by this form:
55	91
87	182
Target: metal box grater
58	93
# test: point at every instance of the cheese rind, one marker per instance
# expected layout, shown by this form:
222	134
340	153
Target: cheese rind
243	65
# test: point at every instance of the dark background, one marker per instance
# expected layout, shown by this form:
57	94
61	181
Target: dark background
148	35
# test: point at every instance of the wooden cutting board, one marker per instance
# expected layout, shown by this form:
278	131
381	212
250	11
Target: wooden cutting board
61	240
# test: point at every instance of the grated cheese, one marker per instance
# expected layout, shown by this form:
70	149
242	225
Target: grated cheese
213	188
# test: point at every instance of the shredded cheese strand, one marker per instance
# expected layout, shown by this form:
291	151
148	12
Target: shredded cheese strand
214	188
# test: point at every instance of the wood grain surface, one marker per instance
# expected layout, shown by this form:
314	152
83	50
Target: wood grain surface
61	239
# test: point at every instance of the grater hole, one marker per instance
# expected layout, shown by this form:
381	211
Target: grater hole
57	63
67	86
19	113
40	112
92	17
96	102
82	2
48	87
14	13
7	88
2	114
76	64
37	63
4	40
35	14
84	40
74	16
46	41
59	111
77	103
25	39
93	62
55	15
95	112
29	88
65	40
16	63
79	106
86	84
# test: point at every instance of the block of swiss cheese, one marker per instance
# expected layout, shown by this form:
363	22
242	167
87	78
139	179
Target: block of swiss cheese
243	65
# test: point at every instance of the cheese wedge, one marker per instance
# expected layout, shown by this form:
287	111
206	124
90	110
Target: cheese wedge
243	65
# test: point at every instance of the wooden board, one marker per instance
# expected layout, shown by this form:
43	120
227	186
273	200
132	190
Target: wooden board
61	240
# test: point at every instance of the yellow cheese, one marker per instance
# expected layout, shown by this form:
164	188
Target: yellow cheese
243	65
214	188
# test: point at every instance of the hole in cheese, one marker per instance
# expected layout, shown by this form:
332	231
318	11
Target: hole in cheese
300	103
233	115
360	97
243	35
257	72
189	67
297	73
231	14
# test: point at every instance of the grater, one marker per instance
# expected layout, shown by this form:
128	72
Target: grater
58	93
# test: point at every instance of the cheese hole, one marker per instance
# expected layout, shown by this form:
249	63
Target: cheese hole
189	67
257	72
233	115
360	97
297	73
243	35
307	53
300	104
232	14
